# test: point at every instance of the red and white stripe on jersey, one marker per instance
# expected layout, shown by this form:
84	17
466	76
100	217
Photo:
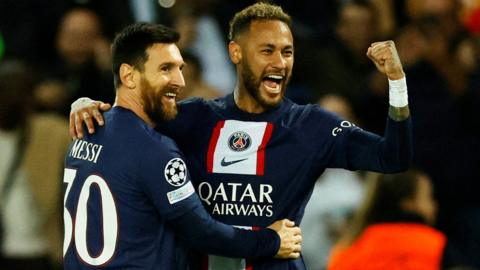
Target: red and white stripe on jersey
212	262
251	160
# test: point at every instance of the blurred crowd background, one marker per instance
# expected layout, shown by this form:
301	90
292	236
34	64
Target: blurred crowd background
53	52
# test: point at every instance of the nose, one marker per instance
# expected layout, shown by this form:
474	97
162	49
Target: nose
279	60
178	79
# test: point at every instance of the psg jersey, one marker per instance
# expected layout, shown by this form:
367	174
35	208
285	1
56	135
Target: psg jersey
115	205
129	200
252	169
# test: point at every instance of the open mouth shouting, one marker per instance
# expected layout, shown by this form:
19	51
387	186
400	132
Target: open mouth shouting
273	83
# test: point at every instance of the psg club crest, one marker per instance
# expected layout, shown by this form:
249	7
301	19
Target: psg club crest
239	141
176	172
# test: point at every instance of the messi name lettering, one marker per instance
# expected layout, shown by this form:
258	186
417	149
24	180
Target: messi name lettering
85	151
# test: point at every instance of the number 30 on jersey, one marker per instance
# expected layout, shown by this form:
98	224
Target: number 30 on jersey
109	217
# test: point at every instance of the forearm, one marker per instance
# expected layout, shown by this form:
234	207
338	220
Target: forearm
396	147
199	231
393	152
398	113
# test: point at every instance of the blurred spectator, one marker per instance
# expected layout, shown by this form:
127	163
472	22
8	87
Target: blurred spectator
441	63
32	147
83	64
195	86
392	229
336	196
201	34
28	28
338	105
345	70
313	18
470	15
467	54
417	9
387	23
115	14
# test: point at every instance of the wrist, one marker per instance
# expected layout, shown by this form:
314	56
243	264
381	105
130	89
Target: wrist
271	242
396	75
397	92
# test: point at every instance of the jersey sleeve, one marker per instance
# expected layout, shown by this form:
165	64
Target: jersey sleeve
353	148
199	231
166	182
165	179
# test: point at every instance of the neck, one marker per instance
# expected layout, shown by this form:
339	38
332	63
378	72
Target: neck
130	99
246	102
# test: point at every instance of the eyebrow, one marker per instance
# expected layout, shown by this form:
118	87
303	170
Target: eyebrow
271	46
171	64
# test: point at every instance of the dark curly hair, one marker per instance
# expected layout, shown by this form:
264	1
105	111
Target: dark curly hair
259	11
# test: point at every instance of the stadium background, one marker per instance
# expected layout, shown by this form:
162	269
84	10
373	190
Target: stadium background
65	44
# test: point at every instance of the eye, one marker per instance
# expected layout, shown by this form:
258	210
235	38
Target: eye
165	68
288	53
267	51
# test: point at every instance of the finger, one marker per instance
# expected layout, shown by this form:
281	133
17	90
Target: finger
377	43
87	118
370	54
81	103
380	50
380	57
381	53
296	230
369	51
298	239
98	117
297	248
379	46
288	223
294	255
388	43
387	52
104	106
78	126
71	126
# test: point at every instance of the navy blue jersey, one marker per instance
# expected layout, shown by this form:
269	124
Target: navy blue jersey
129	200
252	169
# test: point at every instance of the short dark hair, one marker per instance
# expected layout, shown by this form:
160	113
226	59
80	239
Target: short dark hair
259	11
131	44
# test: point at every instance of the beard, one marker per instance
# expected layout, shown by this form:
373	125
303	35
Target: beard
252	85
153	105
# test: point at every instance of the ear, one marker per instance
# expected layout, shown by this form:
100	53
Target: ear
127	75
235	52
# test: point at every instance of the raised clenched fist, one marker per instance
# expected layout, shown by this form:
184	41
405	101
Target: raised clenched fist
385	57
